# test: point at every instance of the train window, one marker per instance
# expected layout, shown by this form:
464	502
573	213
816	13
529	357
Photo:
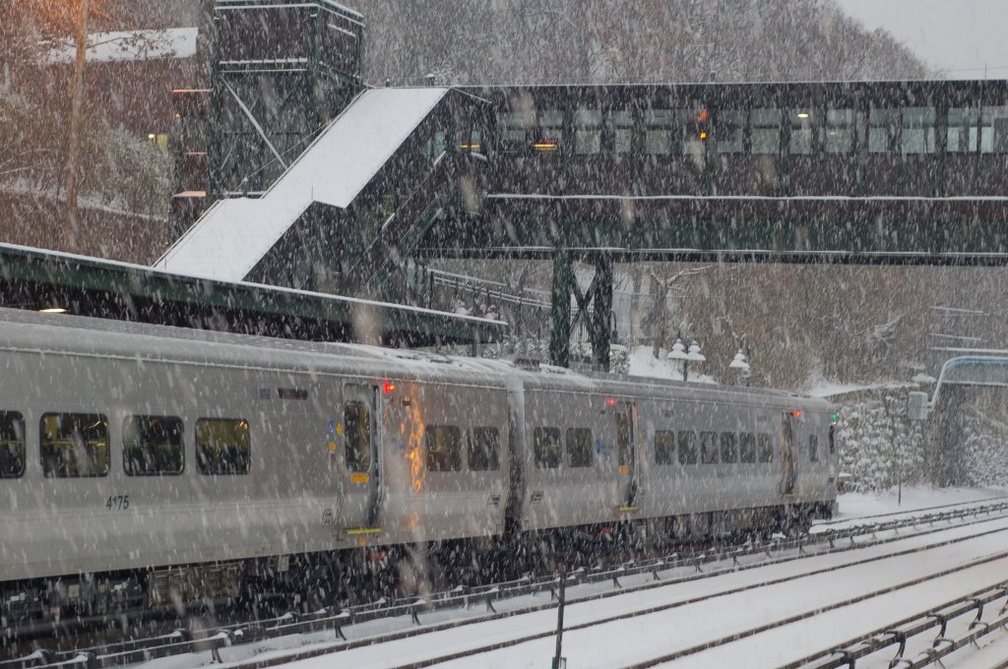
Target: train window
729	453
832	439
74	445
883	126
580	448
547	447
687	447
804	122
444	448
708	448
664	447
357	444
222	446
765	128
747	447
764	448
12	445
839	130
963	130
620	125
484	449
152	445
813	447
918	132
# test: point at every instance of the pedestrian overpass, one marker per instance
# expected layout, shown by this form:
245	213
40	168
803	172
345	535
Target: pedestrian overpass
894	172
986	370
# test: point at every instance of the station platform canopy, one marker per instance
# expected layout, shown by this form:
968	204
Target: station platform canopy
36	279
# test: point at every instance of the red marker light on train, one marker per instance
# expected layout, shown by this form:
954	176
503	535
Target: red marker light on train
387	388
610	401
796	413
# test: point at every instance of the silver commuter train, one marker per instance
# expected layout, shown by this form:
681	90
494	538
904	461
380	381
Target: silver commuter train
168	461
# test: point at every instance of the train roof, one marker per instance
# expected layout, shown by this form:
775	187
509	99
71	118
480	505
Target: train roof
95	336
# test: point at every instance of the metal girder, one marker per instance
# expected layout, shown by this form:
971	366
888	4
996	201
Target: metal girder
917	231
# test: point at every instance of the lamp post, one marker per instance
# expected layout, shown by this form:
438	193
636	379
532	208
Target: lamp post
76	106
741	363
687	355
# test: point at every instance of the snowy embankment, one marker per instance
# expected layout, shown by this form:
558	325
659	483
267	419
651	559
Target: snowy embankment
880	448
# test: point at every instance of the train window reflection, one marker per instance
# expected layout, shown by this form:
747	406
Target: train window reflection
664	447
547	447
765	129
813	447
74	445
222	446
580	448
765	448
12	445
357	424
444	448
152	445
484	449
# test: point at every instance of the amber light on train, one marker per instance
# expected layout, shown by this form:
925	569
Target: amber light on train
469	147
546	144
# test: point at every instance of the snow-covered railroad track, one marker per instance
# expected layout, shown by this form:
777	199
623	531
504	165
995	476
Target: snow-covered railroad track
767	615
450	610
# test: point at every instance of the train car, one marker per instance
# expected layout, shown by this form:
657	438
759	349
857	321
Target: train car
146	466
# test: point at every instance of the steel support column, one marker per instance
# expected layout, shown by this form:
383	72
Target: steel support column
601	315
563	280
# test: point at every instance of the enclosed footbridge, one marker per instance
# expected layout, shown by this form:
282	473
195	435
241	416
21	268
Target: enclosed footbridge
912	172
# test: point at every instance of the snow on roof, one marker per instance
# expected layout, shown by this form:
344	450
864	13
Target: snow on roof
130	45
234	234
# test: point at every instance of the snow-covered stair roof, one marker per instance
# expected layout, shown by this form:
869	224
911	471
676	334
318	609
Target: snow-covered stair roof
233	235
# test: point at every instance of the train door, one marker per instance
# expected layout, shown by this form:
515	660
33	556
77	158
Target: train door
626	454
362	456
789	453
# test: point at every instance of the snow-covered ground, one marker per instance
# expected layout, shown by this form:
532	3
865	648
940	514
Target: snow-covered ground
660	629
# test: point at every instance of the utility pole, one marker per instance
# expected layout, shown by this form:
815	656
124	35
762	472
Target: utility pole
76	110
